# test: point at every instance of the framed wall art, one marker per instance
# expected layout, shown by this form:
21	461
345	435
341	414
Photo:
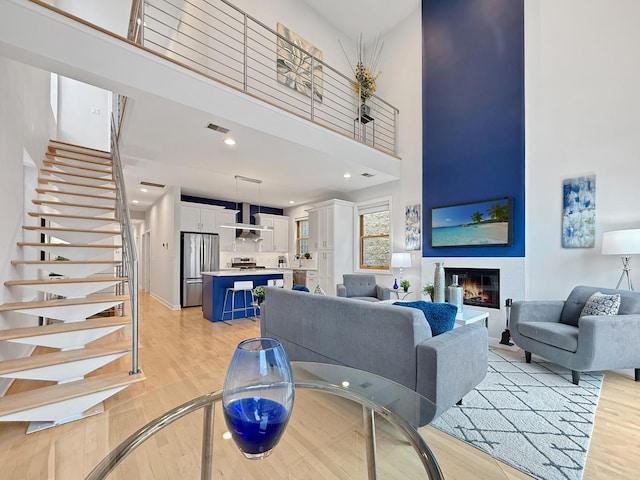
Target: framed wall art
579	212
412	219
294	63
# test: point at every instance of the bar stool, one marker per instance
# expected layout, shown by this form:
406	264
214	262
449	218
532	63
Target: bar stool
244	287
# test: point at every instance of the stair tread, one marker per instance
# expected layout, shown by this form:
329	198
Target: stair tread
67	204
66	146
49	191
67	245
104	161
73	230
84	185
72	262
58	280
55	328
61	357
18	402
61	302
62	215
48	171
56	163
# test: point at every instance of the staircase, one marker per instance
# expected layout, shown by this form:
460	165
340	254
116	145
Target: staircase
81	302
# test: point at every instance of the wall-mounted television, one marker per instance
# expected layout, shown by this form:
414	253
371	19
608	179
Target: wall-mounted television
474	224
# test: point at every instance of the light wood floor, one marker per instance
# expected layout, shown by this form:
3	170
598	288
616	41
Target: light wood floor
184	356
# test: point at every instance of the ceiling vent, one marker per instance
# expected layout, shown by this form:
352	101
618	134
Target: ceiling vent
150	184
217	128
367	175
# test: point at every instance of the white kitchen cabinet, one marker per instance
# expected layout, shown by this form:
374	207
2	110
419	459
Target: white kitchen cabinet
278	239
331	227
198	218
312	280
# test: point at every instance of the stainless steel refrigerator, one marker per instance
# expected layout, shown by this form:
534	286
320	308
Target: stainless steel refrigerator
200	253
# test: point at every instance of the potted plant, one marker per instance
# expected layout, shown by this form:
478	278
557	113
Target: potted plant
404	284
258	292
428	290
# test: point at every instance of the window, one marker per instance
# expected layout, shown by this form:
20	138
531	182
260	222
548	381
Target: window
302	236
375	242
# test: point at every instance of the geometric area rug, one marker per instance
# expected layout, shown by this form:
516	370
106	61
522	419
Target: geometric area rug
530	416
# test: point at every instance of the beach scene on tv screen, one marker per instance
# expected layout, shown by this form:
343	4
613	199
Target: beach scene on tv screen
481	223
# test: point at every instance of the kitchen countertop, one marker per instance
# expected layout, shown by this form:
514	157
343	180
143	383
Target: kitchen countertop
239	273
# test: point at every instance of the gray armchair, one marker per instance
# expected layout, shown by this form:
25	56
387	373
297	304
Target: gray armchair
362	287
554	330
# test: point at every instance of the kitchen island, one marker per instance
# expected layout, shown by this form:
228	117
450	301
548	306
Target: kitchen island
215	284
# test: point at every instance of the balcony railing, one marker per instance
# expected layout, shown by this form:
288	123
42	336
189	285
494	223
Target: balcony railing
217	39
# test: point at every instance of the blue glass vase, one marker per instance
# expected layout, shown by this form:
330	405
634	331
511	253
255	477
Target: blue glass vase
395	283
257	396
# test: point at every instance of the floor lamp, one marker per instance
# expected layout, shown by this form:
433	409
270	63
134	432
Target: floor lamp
624	243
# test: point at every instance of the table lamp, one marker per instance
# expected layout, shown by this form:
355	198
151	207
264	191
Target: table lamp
400	260
624	243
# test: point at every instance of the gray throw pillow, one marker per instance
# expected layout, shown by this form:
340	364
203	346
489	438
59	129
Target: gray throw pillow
601	304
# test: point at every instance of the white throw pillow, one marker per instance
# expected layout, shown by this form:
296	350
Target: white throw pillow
601	304
319	290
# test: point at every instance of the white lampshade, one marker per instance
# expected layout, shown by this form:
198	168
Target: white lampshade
400	260
621	242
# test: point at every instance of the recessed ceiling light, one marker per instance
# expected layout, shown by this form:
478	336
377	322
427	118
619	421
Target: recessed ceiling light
144	190
347	175
292	201
229	141
134	201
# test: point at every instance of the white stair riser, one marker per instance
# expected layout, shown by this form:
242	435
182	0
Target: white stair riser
107	201
67	340
78	253
70	313
66	372
74	270
81	237
72	290
73	210
60	410
86	223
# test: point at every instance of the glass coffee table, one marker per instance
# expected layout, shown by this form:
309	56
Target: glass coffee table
346	424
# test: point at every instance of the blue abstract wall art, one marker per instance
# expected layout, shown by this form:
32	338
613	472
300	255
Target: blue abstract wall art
579	212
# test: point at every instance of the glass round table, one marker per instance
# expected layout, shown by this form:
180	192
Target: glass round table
345	424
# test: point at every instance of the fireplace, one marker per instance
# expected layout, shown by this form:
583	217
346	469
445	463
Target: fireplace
481	286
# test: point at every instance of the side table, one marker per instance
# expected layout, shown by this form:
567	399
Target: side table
399	291
360	131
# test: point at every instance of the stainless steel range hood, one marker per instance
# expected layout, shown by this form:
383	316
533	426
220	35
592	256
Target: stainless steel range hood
246	226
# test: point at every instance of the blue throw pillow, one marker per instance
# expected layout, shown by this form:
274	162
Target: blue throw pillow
300	288
441	316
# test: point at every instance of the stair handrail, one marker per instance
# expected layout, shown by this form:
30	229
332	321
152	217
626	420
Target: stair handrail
129	254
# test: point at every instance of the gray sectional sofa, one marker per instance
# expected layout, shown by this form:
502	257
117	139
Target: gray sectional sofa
391	341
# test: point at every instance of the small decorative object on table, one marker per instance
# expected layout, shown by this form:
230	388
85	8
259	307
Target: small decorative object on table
456	296
405	285
257	396
427	290
365	80
258	292
395	283
438	282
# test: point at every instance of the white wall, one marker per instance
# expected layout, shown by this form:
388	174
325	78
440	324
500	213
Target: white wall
84	114
582	102
27	124
112	15
165	248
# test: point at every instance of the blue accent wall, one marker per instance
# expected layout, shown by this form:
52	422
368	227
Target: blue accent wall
473	112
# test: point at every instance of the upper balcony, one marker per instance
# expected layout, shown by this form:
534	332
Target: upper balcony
213	58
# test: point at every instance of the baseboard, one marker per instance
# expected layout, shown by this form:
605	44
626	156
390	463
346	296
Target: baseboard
164	302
